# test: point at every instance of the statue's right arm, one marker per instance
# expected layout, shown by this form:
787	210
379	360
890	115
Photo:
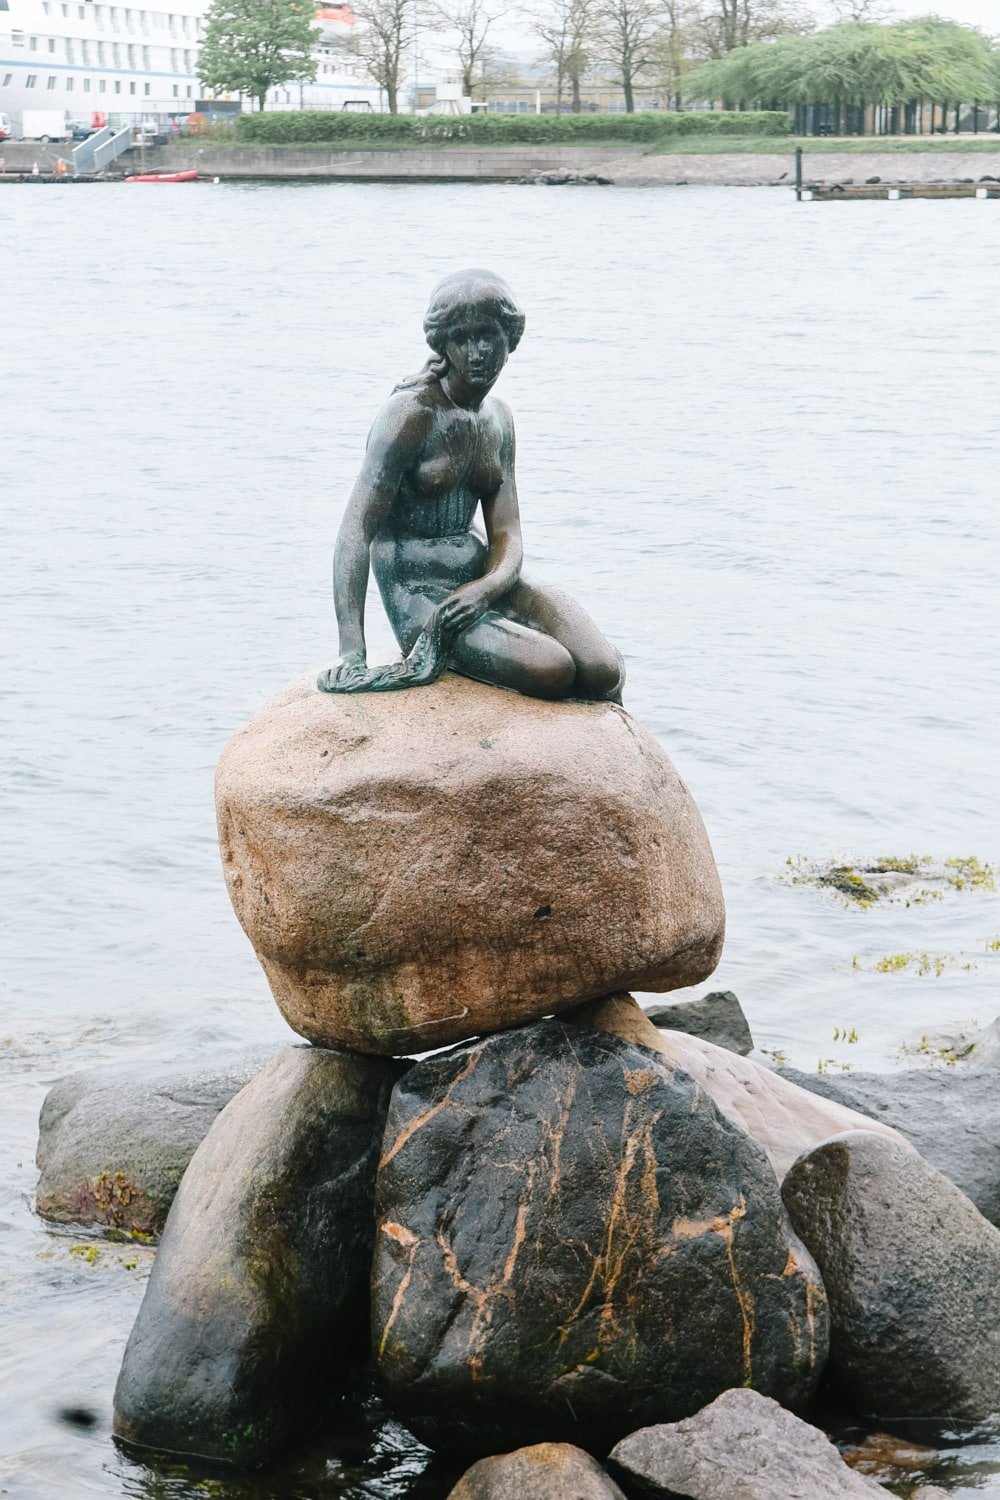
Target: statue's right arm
394	444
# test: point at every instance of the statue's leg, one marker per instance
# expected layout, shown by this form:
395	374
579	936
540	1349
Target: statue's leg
599	668
508	654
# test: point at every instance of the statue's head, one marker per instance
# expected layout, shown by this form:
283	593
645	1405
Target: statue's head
467	297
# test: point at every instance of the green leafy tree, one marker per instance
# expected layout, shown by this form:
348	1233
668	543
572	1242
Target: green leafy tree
856	63
251	46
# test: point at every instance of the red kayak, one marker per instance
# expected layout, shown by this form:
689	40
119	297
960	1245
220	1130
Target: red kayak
164	177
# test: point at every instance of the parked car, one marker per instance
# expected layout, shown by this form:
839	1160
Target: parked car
81	130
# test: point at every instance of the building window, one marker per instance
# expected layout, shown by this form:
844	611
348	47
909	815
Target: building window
33	43
17	38
145	89
8	79
31	80
51	83
45	6
118	85
80	12
69	85
131	88
64	9
176	91
187	91
52	44
86	85
102	86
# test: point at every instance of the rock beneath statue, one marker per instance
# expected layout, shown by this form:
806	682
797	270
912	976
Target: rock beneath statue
741	1447
949	1114
414	868
716	1018
257	1304
571	1239
911	1269
114	1142
784	1119
548	1471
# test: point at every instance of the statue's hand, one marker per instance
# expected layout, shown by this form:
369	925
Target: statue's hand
463	608
350	675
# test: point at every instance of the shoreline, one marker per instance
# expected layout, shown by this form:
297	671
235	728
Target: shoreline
624	166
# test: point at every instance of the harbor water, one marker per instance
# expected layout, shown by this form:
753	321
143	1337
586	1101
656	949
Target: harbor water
758	439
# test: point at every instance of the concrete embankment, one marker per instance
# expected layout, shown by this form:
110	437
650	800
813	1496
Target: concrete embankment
626	166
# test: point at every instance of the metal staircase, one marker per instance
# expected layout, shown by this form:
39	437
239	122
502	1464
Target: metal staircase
99	150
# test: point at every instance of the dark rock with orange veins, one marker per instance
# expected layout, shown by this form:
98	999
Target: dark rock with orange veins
415	868
257	1305
573	1241
548	1471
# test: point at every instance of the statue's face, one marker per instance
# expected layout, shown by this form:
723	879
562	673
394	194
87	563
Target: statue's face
477	351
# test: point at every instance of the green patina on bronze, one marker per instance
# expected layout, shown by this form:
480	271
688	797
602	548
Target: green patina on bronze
440	449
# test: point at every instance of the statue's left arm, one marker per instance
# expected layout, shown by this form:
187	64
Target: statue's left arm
503	534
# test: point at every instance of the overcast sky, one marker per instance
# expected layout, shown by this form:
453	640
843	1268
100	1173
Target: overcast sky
984	13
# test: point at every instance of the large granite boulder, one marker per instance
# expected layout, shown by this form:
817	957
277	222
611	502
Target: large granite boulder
949	1114
547	1471
742	1447
911	1269
257	1305
572	1239
415	868
782	1118
114	1142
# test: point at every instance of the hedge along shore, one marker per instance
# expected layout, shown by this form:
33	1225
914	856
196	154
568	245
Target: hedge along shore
628	165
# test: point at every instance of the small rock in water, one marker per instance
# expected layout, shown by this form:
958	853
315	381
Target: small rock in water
949	1114
257	1307
548	1471
911	1269
114	1142
741	1447
890	1458
717	1018
571	1238
985	1051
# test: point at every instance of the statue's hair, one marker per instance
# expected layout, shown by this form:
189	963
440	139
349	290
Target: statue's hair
459	297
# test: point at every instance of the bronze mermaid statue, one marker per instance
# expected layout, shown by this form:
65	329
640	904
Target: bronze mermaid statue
441	447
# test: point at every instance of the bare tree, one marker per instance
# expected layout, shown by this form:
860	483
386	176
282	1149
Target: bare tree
672	51
470	22
566	30
728	24
383	37
628	34
861	10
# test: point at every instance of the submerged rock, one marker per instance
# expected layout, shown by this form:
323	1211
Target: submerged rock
950	1116
715	1018
741	1447
114	1142
532	855
911	1269
257	1304
548	1471
782	1118
571	1239
985	1051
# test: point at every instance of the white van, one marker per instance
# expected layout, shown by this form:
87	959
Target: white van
44	125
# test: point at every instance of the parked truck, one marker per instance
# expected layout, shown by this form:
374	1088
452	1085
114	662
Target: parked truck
44	125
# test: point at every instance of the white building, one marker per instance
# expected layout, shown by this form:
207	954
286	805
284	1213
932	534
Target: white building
340	78
130	62
137	63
